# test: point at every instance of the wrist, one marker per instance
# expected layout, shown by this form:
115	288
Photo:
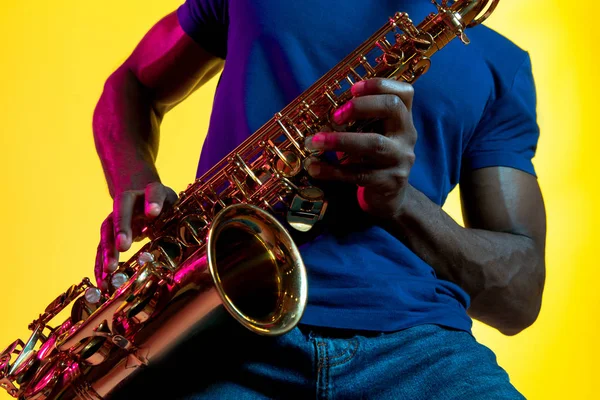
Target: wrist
405	217
404	203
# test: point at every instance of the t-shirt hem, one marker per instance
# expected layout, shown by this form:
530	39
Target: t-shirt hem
205	37
385	321
499	160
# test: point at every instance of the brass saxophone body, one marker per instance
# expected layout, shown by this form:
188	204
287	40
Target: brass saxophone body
223	249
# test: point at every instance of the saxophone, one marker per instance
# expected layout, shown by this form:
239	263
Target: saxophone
223	249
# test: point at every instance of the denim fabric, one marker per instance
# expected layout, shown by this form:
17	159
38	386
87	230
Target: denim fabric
425	362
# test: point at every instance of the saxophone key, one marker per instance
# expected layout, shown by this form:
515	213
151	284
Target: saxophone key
288	163
358	77
307	110
310	129
192	230
93	295
47	379
293	125
96	350
223	203
215	197
289	136
118	279
306	209
258	178
365	63
167	252
232	178
329	96
242	164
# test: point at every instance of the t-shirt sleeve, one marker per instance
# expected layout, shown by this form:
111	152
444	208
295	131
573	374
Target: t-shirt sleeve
508	133
206	21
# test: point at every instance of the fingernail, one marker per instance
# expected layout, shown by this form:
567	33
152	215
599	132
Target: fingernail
341	114
358	88
313	168
153	209
315	142
112	265
121	240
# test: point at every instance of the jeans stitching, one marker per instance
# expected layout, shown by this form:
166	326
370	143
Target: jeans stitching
322	370
354	343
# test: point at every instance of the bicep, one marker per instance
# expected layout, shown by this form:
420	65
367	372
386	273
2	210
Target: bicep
171	64
503	199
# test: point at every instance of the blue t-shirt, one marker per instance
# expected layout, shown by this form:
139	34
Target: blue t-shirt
474	108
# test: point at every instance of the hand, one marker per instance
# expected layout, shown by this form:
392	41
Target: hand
132	210
379	163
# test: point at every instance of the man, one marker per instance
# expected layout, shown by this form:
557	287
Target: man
393	280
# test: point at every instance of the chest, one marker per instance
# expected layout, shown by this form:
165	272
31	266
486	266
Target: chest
277	49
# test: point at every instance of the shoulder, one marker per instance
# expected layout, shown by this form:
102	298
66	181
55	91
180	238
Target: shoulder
494	44
504	58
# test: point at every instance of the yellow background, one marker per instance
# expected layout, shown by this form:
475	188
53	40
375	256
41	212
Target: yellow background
55	56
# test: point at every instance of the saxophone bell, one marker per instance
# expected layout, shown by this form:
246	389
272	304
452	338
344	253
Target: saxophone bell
267	291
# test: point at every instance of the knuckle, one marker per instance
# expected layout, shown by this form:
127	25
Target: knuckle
414	137
375	85
154	184
408	89
171	196
409	157
400	177
380	144
154	187
392	104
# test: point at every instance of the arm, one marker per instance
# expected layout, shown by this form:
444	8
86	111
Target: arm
163	70
498	257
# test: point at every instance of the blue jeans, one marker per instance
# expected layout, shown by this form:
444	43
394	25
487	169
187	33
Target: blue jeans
425	362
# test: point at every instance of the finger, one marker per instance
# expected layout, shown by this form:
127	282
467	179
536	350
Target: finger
155	195
110	255
387	179
107	257
403	90
372	148
382	106
99	268
122	215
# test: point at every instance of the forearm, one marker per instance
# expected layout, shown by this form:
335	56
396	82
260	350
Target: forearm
502	272
126	130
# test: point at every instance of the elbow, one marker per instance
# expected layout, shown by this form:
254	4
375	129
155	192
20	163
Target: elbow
516	305
510	319
519	323
526	312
